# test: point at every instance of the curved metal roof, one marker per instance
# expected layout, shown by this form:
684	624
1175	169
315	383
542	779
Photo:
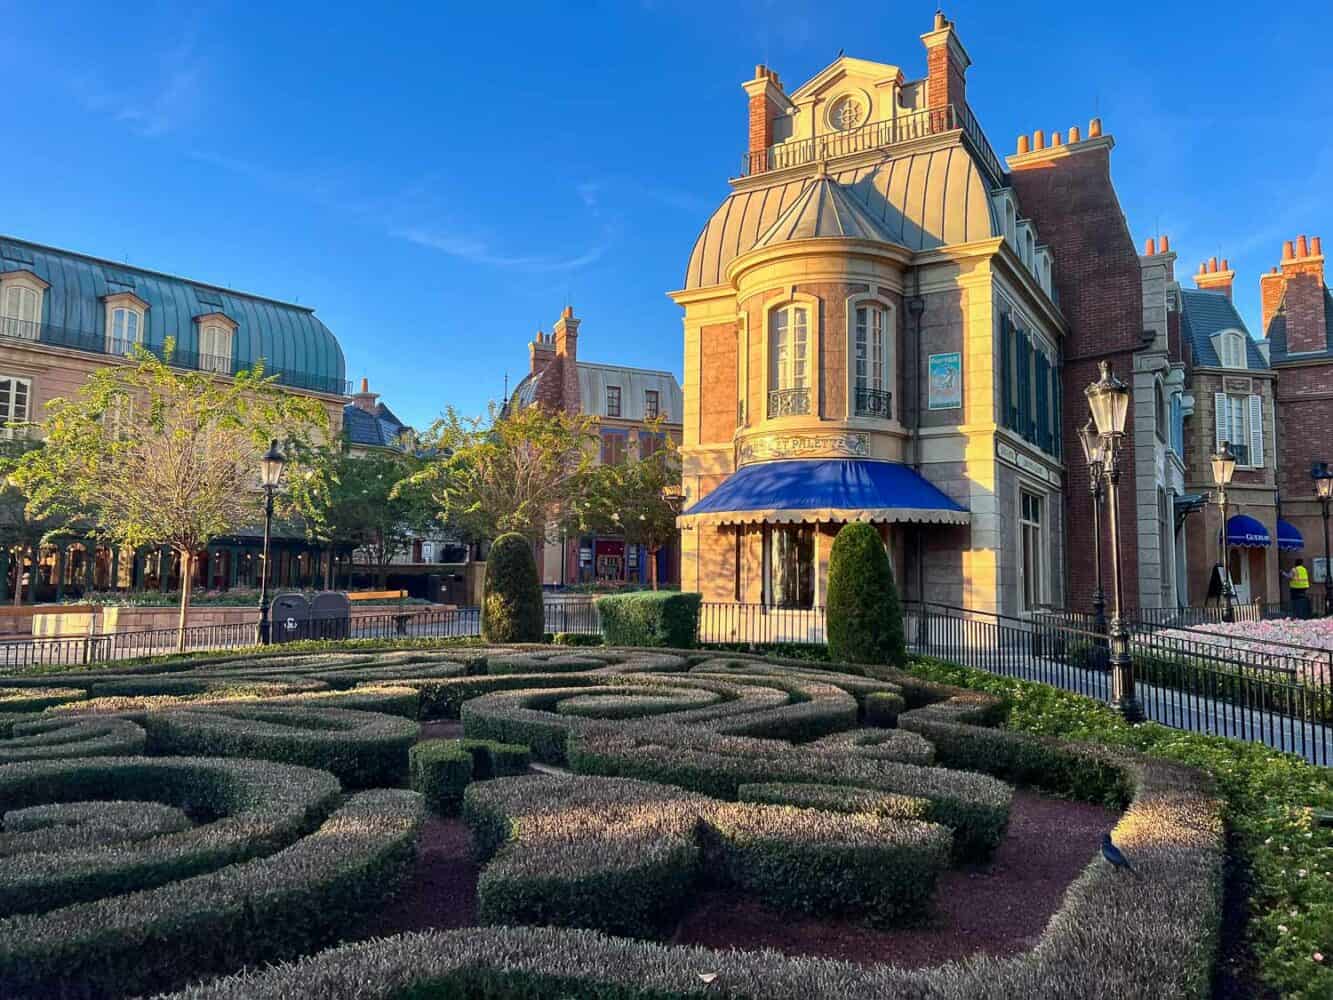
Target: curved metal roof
287	336
823	209
633	383
920	201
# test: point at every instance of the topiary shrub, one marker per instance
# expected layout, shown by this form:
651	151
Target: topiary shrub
650	618
511	609
865	617
440	770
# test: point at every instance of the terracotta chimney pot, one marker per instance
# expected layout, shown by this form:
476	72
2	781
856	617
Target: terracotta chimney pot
1212	265
1226	264
365	385
1094	128
1039	139
1166	244
1302	248
1024	145
1287	252
1056	140
1149	247
1316	247
940	20
1074	133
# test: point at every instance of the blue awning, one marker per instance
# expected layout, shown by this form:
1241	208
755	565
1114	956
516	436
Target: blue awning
1289	537
1243	530
825	490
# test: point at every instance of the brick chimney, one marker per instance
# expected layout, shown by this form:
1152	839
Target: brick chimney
1215	276
767	101
1272	286
365	399
946	65
540	352
1301	295
566	337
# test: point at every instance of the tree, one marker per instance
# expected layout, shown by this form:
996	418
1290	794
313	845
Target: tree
634	499
21	531
156	456
513	470
354	501
511	607
865	617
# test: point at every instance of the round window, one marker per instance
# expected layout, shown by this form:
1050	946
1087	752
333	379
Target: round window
847	113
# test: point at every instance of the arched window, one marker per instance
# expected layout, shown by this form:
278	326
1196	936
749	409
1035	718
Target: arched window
1230	347
125	314
215	349
871	333
788	360
21	307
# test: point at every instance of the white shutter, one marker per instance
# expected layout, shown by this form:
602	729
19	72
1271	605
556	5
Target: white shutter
1220	416
1256	430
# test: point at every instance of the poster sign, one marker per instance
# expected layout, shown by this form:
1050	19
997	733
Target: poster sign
945	381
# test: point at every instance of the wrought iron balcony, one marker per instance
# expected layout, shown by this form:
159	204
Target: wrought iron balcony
877	135
94	342
874	403
788	402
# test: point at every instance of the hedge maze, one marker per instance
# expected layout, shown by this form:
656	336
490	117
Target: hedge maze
186	819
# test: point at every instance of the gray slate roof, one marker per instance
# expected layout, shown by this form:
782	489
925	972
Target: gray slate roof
380	429
1205	314
1277	331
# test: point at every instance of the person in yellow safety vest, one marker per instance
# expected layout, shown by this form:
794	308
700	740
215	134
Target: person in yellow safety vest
1300	589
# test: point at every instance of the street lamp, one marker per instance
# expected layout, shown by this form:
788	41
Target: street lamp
1323	488
1224	467
270	473
1108	399
1094	452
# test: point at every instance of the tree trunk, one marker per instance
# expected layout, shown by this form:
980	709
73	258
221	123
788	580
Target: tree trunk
187	574
652	566
18	576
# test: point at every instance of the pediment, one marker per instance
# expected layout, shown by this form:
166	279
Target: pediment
846	72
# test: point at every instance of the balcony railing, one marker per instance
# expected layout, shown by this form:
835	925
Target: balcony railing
877	135
788	402
874	403
99	343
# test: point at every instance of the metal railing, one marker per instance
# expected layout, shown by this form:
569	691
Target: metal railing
877	135
874	403
788	402
93	342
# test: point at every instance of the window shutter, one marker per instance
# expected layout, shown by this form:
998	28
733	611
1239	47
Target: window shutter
1005	374
1256	430
1057	431
1043	412
1220	416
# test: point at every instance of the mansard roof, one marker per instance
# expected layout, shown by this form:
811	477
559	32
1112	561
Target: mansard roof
1203	315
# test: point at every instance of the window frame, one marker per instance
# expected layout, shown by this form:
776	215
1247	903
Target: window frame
814	323
8	433
889	344
129	305
619	400
1226	343
15	326
653	396
609	434
227	328
805	579
1033	532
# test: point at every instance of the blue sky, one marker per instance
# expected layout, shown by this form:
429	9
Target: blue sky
438	180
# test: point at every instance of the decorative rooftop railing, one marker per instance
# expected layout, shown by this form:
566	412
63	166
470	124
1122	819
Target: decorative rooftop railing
92	342
878	135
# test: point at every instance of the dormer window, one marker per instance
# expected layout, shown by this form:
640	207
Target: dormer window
651	404
21	305
217	333
1230	346
125	321
613	400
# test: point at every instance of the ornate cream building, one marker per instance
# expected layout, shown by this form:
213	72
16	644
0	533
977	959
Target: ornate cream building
871	334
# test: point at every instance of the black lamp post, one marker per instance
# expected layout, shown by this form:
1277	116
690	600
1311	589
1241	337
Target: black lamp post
270	473
1094	453
1108	398
1323	488
1224	467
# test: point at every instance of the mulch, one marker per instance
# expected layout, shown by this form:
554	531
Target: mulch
997	909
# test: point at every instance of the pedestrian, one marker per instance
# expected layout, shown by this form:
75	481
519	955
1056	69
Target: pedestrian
1299	582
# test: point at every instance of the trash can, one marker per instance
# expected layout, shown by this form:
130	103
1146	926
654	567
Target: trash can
330	616
289	618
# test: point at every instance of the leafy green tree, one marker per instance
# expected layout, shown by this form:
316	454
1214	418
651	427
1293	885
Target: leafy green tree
354	501
512	470
161	457
22	532
864	614
511	607
634	499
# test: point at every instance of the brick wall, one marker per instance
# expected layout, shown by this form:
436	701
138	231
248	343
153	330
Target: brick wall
1304	305
717	388
1305	425
1073	203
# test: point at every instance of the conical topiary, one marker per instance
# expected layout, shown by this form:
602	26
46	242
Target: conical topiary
511	608
865	616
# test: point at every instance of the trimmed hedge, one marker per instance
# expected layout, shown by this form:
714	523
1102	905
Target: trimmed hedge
512	604
650	618
836	798
364	749
497	760
60	738
440	770
259	807
290	902
865	617
34	699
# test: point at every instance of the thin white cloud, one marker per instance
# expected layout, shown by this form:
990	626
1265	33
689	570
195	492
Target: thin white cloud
479	252
167	98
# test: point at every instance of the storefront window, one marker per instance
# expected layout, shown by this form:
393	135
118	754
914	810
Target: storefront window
789	566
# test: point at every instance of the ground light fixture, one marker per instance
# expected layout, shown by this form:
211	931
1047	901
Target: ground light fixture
1224	467
1094	453
270	475
1108	399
